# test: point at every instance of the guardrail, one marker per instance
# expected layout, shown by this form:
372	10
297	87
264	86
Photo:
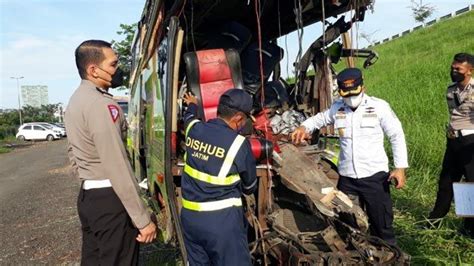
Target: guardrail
427	24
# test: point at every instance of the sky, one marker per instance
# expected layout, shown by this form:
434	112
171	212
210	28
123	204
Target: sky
38	37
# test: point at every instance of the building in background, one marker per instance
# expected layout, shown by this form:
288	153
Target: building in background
34	95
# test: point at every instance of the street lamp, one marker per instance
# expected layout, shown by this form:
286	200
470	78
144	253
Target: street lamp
18	89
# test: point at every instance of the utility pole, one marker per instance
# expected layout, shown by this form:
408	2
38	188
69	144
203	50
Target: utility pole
346	42
18	89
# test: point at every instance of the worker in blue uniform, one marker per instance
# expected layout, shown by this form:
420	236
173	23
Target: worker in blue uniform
219	167
361	122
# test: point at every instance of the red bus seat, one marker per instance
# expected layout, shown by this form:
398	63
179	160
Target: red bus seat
209	74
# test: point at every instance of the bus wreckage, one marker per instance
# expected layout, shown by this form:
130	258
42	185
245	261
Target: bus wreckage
297	216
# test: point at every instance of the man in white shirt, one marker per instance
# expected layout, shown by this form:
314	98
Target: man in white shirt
361	122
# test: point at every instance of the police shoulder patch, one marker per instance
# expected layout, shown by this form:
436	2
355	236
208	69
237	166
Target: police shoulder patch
114	112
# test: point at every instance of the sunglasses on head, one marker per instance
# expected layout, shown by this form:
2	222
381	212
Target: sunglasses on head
355	91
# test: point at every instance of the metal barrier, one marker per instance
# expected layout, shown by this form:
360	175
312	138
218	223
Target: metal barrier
429	23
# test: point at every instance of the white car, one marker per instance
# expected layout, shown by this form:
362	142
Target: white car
54	127
37	132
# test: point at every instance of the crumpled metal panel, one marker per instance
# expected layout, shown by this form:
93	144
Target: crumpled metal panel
300	174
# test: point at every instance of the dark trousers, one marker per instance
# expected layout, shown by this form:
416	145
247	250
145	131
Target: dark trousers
216	237
458	161
374	195
108	235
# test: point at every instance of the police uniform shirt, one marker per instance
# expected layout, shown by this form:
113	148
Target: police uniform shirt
361	136
95	127
461	106
207	145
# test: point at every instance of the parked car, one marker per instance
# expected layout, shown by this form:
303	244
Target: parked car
59	124
52	126
37	132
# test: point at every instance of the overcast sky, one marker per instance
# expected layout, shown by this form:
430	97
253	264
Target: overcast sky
38	37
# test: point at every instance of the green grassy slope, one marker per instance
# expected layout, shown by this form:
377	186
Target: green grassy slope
412	74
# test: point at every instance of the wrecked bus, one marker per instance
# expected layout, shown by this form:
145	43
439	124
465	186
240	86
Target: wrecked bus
297	216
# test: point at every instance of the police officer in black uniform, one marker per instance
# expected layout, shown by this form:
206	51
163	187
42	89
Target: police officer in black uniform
219	166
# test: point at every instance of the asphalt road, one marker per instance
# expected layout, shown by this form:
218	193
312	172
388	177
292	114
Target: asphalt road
38	216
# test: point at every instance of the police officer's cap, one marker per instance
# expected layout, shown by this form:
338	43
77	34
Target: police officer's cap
237	99
348	80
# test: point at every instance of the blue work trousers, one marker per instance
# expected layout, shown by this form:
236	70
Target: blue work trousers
216	237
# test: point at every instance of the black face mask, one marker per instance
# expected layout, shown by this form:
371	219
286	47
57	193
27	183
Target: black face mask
456	76
117	78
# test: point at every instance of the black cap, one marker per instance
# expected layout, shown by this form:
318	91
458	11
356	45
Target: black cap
349	79
237	99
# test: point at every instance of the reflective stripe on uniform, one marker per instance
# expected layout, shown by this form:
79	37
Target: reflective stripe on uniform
221	179
212	205
229	158
215	180
251	185
191	124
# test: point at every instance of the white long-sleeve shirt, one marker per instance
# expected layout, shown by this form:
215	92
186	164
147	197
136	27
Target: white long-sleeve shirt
361	136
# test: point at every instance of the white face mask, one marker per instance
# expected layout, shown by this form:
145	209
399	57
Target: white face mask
353	101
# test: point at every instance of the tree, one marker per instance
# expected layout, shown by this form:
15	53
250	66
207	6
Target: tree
45	113
123	49
9	118
421	11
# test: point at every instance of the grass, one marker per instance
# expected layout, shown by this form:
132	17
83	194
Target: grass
412	74
4	150
8	139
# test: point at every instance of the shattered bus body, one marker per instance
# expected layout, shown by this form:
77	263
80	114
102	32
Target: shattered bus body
297	216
